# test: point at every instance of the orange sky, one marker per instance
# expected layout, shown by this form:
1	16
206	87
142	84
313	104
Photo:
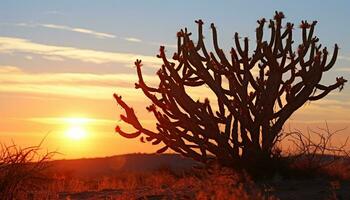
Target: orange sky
60	65
36	105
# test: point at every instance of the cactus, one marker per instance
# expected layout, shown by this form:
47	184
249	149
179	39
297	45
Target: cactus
251	109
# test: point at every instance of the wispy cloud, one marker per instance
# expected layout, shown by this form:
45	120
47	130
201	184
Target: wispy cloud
81	85
28	57
31	25
7	69
130	39
97	34
94	33
14	75
347	58
102	35
13	45
53	58
79	30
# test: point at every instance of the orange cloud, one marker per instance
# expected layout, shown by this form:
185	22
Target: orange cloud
83	85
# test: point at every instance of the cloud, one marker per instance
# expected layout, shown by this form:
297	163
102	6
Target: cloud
325	109
96	34
28	57
13	75
130	39
4	69
90	32
344	58
13	45
79	30
53	58
24	25
81	85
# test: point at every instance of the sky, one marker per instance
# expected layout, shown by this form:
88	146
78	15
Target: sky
61	62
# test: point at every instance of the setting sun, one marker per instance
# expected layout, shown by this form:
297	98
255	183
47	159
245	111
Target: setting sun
76	129
76	133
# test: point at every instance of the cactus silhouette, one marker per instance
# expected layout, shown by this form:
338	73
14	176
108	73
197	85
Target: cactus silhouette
256	92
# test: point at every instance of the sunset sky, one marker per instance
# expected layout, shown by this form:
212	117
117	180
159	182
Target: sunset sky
61	62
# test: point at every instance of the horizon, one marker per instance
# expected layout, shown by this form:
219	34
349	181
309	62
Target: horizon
62	62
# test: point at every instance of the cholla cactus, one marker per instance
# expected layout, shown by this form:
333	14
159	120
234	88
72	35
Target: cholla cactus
250	110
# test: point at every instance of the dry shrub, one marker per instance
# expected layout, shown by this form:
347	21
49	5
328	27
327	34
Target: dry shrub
316	154
21	170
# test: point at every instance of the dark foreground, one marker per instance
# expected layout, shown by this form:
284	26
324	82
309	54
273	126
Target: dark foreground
167	176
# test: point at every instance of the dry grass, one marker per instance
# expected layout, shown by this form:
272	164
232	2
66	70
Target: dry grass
21	170
209	183
314	153
213	183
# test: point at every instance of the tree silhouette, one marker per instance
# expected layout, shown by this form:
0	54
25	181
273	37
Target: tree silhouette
251	109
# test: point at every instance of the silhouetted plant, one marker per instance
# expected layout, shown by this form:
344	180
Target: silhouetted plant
315	152
21	170
246	121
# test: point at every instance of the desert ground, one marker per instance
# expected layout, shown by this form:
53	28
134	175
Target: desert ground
171	176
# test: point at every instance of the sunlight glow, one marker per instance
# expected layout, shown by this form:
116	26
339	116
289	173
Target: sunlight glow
77	129
77	121
76	132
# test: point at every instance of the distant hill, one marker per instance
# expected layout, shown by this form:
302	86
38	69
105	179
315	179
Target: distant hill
92	167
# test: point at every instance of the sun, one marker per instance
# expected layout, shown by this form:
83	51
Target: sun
76	132
76	128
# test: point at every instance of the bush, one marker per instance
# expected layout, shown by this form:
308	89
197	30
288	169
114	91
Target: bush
21	170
